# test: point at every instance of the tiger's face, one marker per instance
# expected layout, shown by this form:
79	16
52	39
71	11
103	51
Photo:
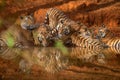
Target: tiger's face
63	29
44	36
28	22
102	31
85	32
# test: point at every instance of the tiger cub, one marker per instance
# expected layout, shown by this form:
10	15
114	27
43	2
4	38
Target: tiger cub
45	36
58	21
108	37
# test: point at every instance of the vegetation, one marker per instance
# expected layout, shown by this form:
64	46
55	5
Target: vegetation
10	40
59	44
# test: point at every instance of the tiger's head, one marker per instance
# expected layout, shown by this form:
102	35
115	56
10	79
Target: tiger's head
27	22
63	29
44	35
102	31
85	31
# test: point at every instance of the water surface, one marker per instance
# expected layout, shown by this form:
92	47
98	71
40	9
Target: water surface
54	64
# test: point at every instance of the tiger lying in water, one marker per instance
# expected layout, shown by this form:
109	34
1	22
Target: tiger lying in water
108	37
40	32
44	35
63	29
59	28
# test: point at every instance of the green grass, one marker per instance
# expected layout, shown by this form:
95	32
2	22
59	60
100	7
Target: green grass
10	40
59	44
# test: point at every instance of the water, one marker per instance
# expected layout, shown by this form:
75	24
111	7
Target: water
53	64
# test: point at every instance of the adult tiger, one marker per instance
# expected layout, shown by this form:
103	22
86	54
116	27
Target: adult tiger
15	36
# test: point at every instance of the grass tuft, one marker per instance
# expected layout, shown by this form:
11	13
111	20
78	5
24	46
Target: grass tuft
59	44
10	40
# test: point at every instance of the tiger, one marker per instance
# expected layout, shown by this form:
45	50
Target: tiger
55	18
27	22
45	36
86	42
15	36
108	37
104	32
41	33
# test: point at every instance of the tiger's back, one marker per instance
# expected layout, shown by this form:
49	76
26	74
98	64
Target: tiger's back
54	16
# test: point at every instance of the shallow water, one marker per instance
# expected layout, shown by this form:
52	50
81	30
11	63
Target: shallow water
54	64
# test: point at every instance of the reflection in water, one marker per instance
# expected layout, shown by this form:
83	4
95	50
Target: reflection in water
88	55
24	65
9	53
52	59
112	51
